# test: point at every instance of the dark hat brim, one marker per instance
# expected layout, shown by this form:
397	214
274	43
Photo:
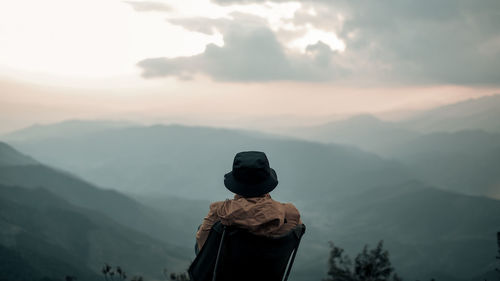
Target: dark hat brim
251	189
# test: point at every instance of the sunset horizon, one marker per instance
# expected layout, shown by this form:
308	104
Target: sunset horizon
170	61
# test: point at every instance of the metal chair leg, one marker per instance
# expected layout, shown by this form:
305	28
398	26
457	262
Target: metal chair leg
214	276
291	262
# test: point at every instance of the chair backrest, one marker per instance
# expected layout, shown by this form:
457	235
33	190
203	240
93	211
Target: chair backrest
234	254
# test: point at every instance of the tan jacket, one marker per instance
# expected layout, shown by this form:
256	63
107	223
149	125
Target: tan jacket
260	215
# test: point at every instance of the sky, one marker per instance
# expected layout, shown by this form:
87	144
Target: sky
242	63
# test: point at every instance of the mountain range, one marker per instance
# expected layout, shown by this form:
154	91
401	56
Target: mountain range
477	113
344	194
190	162
55	224
463	157
112	193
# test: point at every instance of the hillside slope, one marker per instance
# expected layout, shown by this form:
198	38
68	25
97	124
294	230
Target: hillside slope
430	233
117	206
54	238
467	161
11	157
363	131
190	162
476	114
344	194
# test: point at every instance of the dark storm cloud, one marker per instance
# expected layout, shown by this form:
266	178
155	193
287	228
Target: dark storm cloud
251	52
149	6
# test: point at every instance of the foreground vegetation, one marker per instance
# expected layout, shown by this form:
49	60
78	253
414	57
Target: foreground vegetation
369	265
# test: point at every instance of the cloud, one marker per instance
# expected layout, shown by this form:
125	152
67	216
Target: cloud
387	42
251	52
411	42
425	42
149	6
211	26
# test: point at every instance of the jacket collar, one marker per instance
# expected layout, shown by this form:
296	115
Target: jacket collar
267	196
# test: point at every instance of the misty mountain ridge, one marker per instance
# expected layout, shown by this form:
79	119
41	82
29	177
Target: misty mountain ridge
481	113
81	193
147	240
466	161
10	157
363	131
344	194
57	239
168	155
422	225
463	157
475	113
74	127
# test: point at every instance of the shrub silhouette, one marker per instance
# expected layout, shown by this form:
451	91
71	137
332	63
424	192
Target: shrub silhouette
110	273
369	265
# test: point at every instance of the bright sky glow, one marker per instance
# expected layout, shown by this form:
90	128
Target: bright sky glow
313	35
63	59
273	12
90	38
103	39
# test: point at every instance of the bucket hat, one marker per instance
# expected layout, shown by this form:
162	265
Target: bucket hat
251	175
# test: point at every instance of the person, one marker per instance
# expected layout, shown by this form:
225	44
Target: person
252	208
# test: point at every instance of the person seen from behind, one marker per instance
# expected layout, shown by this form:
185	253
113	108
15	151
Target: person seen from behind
252	208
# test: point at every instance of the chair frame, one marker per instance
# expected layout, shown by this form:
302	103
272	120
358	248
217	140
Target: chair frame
289	265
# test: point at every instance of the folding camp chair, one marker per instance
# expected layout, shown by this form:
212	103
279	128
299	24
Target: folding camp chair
234	254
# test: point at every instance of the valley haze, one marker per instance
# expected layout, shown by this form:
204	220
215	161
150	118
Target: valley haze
428	191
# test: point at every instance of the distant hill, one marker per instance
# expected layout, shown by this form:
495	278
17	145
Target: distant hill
10	157
363	131
31	189
117	206
465	161
48	237
477	114
372	134
66	128
344	194
190	162
429	232
464	156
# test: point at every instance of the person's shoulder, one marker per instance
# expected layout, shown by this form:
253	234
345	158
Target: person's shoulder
217	205
289	207
292	214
